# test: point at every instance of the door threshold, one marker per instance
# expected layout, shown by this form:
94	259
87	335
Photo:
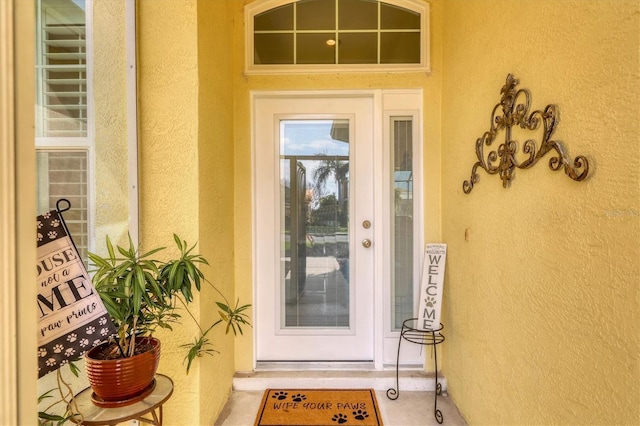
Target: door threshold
330	366
315	366
413	380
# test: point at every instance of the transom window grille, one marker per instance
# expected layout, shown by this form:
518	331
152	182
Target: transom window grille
308	35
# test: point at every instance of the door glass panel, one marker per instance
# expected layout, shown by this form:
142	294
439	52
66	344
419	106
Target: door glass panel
402	213
314	215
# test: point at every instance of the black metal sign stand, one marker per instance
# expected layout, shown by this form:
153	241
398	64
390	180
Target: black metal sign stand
411	333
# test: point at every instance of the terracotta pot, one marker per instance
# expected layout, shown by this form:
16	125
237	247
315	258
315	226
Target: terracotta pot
122	379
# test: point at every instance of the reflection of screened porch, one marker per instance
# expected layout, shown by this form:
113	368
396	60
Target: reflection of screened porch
316	244
403	283
295	238
325	299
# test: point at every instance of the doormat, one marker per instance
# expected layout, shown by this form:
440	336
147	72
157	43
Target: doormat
319	407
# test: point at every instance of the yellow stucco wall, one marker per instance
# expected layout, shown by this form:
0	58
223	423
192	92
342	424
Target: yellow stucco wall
542	319
187	178
168	165
215	158
111	144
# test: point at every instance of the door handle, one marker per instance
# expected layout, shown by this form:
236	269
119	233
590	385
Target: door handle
366	243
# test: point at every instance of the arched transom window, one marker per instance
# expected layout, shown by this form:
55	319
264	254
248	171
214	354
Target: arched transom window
332	35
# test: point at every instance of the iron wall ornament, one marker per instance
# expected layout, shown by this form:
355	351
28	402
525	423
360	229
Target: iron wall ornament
515	112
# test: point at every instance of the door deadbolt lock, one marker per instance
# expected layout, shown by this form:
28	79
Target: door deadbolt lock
366	224
366	243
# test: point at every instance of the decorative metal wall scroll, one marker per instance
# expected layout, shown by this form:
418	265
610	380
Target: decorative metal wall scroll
515	112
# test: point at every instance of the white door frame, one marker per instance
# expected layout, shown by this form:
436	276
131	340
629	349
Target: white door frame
386	103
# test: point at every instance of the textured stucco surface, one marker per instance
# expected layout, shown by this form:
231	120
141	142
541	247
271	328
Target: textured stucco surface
542	319
111	146
168	166
216	195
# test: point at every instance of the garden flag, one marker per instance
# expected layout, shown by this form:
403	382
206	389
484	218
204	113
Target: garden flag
430	306
71	316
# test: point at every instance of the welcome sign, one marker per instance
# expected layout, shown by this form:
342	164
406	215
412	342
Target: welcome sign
430	306
72	318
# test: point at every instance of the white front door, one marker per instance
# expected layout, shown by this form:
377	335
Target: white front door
337	247
314	217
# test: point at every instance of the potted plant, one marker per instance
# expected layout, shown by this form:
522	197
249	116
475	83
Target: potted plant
142	294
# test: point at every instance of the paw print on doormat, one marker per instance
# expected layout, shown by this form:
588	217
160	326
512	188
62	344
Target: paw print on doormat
340	418
280	395
360	414
298	397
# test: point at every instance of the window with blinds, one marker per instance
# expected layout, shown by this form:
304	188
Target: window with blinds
368	35
64	174
62	143
62	70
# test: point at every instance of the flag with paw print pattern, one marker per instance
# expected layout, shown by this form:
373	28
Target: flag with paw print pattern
72	318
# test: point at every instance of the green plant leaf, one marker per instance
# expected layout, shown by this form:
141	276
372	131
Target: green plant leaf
74	369
112	254
111	306
149	253
137	295
178	242
52	417
173	271
186	292
197	349
45	395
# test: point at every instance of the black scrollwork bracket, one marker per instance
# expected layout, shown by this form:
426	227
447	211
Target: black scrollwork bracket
503	161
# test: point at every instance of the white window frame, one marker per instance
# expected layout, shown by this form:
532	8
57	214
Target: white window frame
257	7
78	143
406	103
87	143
